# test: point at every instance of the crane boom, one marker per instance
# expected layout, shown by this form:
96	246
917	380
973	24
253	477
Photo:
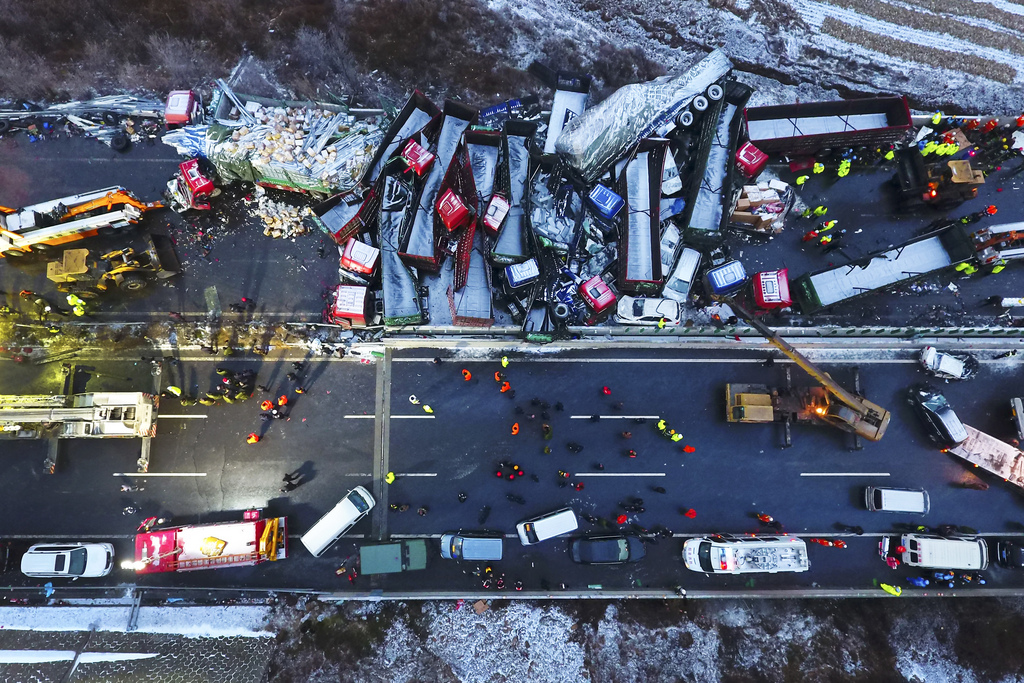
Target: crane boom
872	419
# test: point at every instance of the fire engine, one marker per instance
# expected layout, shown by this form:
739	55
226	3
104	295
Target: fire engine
253	540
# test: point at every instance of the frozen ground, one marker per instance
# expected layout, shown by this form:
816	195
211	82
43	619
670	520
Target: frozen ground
923	641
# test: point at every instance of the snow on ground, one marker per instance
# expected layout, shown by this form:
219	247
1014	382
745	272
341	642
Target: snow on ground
189	621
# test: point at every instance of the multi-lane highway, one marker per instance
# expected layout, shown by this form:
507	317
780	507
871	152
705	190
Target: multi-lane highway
202	470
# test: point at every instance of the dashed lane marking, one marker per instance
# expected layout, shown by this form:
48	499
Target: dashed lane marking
869	361
844	474
161	416
359	417
159	474
619	474
412	417
398	475
616	417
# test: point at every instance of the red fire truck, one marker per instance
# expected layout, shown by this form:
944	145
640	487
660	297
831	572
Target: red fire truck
254	540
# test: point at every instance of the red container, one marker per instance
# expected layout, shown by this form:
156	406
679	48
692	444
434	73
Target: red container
350	305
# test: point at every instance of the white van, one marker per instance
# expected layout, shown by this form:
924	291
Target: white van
542	528
937	552
679	284
332	526
882	499
477	548
728	555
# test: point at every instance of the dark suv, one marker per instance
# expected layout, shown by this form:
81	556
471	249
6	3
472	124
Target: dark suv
944	427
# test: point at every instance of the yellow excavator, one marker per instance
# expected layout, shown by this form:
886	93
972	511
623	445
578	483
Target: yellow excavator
830	403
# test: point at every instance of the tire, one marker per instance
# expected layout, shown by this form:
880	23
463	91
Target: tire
14	253
5	125
134	283
119	142
110	118
43	248
699	103
87	294
106	231
685	119
715	92
561	311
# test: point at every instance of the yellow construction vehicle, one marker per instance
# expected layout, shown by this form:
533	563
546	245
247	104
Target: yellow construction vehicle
830	404
41	227
124	268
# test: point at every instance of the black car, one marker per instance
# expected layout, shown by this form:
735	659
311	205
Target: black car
944	427
607	549
1010	554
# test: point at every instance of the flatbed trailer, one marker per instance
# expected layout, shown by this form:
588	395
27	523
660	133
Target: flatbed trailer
992	455
809	127
934	251
254	540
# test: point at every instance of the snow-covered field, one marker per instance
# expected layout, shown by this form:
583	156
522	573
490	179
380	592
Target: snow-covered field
924	641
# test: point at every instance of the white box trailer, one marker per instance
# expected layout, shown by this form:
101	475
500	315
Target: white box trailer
992	455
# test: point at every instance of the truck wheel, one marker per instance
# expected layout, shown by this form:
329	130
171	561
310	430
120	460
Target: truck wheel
5	125
110	118
87	293
106	231
561	311
699	103
685	119
119	142
43	248
134	283
715	92
14	253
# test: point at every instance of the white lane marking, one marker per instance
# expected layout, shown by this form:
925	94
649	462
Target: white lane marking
359	417
844	474
619	474
871	361
398	475
616	417
412	417
161	416
159	474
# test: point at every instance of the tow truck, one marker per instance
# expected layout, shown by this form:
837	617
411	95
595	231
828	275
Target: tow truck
254	540
41	227
942	185
828	404
119	414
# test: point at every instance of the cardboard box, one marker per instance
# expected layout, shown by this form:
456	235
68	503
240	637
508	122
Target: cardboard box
745	217
742	204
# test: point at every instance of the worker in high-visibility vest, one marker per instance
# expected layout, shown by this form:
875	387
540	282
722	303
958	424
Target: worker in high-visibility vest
818	167
820	210
802	179
252	438
998	267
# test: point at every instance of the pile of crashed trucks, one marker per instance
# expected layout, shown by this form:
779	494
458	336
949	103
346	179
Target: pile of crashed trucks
502	216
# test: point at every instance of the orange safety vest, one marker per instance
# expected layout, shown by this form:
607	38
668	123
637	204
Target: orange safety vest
282	400
515	429
505	387
266	405
252	438
466	375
